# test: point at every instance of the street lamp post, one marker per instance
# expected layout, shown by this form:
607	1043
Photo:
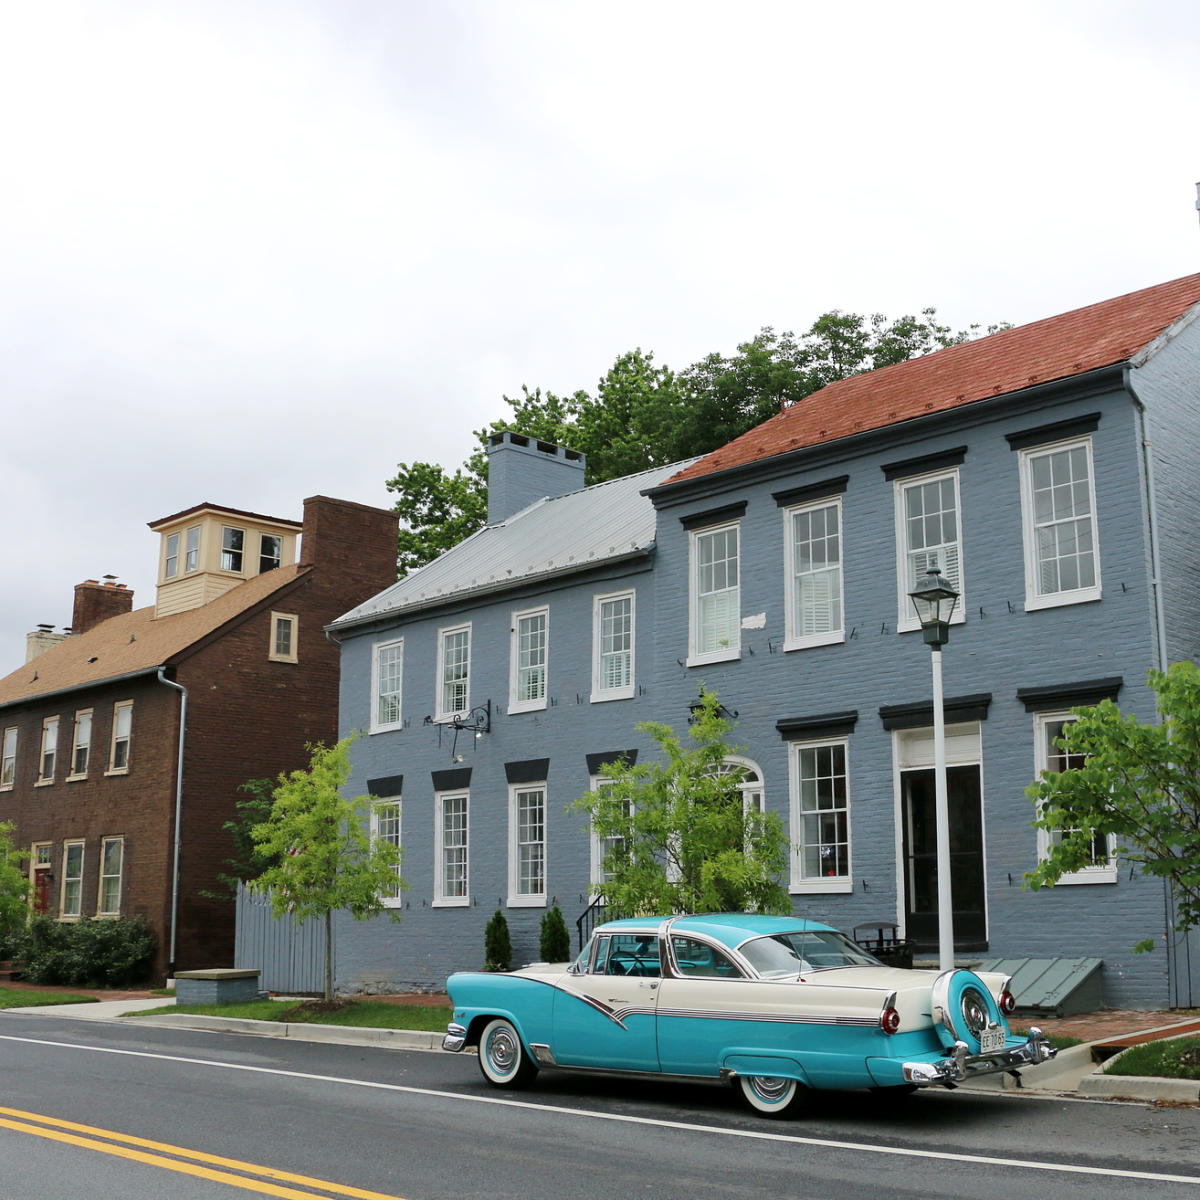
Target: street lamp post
934	601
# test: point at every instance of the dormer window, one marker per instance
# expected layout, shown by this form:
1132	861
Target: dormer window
270	548
232	541
191	558
171	565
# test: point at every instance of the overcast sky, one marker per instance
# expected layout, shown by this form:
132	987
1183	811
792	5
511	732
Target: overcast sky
253	251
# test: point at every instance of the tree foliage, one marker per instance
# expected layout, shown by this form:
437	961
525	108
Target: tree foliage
245	862
1139	783
554	940
643	414
678	838
14	886
322	853
497	944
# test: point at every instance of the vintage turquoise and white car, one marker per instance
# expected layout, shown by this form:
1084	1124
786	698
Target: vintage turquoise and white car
774	1005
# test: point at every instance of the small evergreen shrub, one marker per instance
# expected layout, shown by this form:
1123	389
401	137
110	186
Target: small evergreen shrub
555	942
85	953
497	945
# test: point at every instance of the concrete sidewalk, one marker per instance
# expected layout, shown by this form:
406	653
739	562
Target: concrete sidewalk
1075	1071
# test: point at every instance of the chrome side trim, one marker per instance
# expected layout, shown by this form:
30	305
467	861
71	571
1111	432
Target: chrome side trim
542	1054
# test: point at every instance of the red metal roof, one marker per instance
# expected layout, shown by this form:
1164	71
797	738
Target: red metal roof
1055	348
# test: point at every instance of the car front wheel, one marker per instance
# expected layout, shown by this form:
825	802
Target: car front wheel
502	1057
771	1095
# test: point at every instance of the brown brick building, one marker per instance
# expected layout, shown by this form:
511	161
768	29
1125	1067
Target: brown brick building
229	674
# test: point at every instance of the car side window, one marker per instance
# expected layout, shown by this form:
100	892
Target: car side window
697	959
632	954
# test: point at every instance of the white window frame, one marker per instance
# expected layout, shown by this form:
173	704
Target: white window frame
8	759
1101	873
379	725
441	897
1035	598
191	549
292	654
84	744
600	692
801	883
733	647
63	913
596	848
516	897
171	555
231	553
906	581
106	876
122	715
443	711
49	748
794	637
516	703
395	900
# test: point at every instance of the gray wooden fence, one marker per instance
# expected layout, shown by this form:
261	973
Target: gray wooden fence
289	955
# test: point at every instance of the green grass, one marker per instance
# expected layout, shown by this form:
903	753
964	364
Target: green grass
361	1014
1059	1043
1167	1058
25	998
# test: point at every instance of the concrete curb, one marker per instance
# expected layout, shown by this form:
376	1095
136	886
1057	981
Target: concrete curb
347	1035
1100	1086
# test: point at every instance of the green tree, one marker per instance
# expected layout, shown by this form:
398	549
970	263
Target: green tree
14	886
497	944
554	942
246	862
323	855
1139	783
643	414
679	838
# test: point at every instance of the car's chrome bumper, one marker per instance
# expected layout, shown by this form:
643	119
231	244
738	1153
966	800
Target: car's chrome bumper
961	1064
456	1037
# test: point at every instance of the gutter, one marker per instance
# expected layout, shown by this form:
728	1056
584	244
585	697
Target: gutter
37	697
183	699
1160	619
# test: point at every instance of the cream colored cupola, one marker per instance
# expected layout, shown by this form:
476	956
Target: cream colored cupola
206	550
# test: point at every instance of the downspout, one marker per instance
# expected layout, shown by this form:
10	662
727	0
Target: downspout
183	698
1152	516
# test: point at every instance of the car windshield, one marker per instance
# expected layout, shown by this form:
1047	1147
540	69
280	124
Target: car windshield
785	954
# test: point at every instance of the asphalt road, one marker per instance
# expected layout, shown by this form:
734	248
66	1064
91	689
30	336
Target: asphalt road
89	1109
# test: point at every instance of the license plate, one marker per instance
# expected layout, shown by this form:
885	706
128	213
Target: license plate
991	1040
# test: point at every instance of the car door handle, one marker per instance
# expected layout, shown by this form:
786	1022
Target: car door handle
651	984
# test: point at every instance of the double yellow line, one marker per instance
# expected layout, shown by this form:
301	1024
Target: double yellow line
251	1177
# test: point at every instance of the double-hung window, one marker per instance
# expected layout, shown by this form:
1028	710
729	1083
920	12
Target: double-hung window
603	847
813	559
171	559
284	631
191	550
527	845
1058	508
454	671
928	536
112	859
122	729
8	758
612	646
71	898
49	753
270	549
1049	755
529	659
387	669
820	804
716	604
81	750
450	879
232	545
385	827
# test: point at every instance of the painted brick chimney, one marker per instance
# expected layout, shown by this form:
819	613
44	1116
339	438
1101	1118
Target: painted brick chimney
96	602
522	469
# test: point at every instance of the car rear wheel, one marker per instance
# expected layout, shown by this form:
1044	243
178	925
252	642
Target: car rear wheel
502	1057
771	1095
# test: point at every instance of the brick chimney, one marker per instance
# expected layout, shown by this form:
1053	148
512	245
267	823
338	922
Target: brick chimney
96	602
43	638
522	469
352	545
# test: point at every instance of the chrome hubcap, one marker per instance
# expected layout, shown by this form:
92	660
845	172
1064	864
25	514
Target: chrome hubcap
502	1051
974	1011
771	1087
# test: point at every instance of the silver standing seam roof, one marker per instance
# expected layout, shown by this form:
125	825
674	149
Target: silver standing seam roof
554	536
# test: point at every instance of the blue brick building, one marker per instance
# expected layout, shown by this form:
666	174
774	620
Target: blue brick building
1049	471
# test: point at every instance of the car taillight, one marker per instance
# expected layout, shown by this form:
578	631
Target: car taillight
1007	1002
889	1020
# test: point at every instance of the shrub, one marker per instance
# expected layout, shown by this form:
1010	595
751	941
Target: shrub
86	953
497	945
555	942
